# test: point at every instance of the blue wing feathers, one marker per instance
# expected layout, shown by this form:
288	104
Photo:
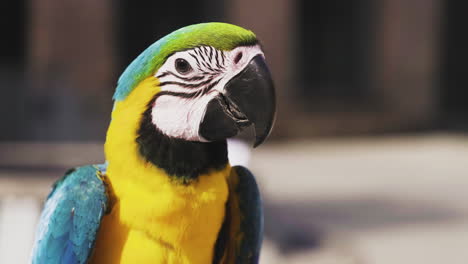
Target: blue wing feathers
251	210
71	218
69	255
244	192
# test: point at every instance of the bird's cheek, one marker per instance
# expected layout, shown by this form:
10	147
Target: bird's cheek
174	117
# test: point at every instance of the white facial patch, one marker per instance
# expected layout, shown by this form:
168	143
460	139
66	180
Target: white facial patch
181	105
180	117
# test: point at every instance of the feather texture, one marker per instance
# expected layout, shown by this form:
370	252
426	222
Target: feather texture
71	218
240	238
221	36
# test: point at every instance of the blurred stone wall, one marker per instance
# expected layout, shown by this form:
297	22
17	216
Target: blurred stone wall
75	51
71	68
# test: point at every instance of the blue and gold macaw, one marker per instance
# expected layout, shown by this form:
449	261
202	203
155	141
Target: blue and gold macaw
167	193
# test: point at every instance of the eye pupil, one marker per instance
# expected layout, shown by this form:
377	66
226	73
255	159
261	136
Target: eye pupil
182	66
238	57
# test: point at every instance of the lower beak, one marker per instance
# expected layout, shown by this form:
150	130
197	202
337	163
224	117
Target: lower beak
248	99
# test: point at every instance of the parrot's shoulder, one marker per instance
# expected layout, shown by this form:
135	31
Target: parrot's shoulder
71	217
92	173
244	188
241	235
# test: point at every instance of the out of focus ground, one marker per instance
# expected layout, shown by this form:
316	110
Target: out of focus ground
360	200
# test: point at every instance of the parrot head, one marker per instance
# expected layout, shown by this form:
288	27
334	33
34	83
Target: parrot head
213	82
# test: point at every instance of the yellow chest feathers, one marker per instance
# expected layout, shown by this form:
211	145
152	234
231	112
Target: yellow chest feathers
155	219
174	223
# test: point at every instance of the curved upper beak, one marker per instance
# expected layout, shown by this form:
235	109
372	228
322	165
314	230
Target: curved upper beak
248	99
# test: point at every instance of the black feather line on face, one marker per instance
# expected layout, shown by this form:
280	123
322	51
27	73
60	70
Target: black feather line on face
205	50
179	94
217	61
204	63
211	69
181	159
211	53
197	51
196	59
187	85
209	87
188	79
223	57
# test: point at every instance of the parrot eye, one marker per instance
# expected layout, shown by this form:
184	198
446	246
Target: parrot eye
182	66
238	57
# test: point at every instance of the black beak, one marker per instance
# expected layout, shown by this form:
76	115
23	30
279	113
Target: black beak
249	98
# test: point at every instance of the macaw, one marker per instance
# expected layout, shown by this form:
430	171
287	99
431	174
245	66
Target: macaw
167	193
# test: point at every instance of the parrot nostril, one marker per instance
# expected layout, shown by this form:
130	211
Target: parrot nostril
238	57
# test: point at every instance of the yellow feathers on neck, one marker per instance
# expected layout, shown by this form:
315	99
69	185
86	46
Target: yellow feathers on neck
155	219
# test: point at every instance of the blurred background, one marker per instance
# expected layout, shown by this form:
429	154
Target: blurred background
367	162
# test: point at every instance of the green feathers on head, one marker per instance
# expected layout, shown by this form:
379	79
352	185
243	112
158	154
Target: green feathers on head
221	36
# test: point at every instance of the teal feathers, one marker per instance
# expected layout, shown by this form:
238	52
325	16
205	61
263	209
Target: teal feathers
71	218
